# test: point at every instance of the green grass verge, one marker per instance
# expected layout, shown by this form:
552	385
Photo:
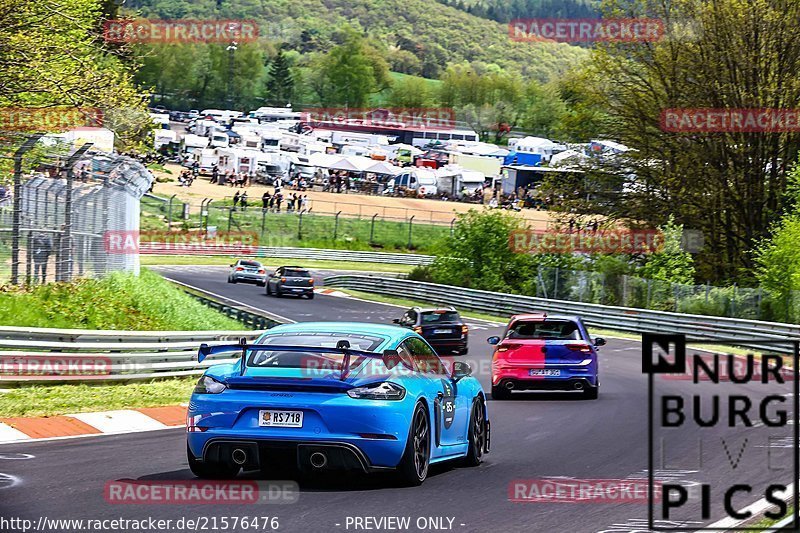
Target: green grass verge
152	260
117	302
315	231
51	400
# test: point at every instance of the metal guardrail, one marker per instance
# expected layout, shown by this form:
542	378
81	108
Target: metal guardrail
46	355
696	327
152	248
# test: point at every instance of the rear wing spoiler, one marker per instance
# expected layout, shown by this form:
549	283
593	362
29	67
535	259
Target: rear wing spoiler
343	348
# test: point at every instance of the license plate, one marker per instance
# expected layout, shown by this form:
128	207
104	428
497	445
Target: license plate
280	419
544	372
297	290
441	331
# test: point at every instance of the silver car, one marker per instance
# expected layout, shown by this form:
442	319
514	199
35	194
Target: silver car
248	271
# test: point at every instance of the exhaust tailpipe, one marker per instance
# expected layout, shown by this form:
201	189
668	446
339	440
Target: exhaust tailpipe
318	460
510	385
578	385
239	456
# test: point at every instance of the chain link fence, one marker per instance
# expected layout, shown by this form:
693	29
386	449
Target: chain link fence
630	291
56	221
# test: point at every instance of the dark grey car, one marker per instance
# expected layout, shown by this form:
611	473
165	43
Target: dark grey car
292	280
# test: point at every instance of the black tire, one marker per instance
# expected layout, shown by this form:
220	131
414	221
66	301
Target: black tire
413	467
211	470
463	351
311	296
500	393
591	393
477	434
278	292
233	280
230	280
260	283
269	291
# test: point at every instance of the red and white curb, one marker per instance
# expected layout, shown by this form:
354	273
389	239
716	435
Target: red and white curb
26	429
332	292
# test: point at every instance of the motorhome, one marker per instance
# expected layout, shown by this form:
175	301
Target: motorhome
190	143
163	137
274	114
421	180
220	139
456	182
240	159
206	158
536	145
161	120
222	116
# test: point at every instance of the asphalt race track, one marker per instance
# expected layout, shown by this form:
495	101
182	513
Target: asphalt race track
534	436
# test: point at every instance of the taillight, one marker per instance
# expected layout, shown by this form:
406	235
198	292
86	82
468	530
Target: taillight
464	329
283	280
418	329
310	280
583	348
507	347
239	269
262	271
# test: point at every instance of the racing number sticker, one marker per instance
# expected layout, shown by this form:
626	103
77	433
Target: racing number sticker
448	404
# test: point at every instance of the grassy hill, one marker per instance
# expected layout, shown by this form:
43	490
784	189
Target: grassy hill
435	33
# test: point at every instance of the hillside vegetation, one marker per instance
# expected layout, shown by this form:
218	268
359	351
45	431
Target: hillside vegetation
434	34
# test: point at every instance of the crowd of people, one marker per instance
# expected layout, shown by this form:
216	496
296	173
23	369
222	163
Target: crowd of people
231	178
274	201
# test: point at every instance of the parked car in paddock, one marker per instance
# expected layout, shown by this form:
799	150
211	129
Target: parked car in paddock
293	280
335	396
442	327
541	352
248	271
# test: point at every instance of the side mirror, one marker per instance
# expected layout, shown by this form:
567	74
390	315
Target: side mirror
396	321
231	265
493	340
599	341
391	359
461	369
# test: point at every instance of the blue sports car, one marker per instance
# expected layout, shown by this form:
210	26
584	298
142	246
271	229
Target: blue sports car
335	396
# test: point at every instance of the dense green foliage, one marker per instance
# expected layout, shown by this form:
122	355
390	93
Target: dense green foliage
506	10
120	301
412	36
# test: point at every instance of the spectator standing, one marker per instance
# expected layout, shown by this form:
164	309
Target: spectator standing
236	199
214	174
243	200
265	200
278	200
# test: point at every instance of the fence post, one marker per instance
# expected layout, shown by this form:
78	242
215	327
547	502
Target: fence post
169	212
300	226
372	229
410	227
452	227
649	288
555	285
263	221
17	213
733	302
675	296
230	217
66	270
336	224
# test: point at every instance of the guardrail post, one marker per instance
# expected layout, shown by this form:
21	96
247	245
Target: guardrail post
372	229
410	226
336	225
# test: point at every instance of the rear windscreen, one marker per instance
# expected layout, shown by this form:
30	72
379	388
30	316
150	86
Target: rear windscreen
545	330
433	317
253	264
296	273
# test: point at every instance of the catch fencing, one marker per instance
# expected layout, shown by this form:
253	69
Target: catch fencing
54	221
747	332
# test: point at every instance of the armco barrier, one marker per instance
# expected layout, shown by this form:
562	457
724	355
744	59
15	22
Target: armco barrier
748	333
45	355
152	248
